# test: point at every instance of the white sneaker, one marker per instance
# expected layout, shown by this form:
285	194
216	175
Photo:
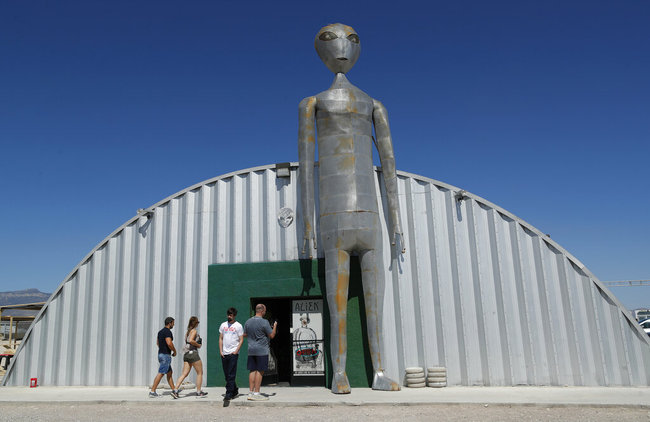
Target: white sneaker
259	397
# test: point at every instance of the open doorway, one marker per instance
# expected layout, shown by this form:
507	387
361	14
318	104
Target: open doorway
281	359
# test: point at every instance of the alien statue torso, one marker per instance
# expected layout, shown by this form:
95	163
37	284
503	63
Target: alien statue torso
344	129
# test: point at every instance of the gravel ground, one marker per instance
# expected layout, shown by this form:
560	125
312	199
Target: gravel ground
214	411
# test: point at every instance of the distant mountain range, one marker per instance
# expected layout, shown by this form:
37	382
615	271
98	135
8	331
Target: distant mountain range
19	297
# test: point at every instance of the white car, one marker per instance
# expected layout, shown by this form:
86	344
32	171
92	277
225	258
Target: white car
645	324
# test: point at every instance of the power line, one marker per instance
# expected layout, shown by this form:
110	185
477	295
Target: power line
627	283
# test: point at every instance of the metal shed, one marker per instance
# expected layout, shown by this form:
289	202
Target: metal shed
478	291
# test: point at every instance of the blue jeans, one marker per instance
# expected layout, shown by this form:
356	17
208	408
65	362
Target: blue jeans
165	363
229	363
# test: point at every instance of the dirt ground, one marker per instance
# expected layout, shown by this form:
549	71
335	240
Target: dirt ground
214	411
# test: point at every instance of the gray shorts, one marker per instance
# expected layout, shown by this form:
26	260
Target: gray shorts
191	356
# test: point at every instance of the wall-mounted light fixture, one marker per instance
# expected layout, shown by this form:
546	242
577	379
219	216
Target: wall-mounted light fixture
283	170
147	212
461	195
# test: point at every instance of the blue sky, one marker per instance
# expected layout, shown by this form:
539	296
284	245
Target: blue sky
540	107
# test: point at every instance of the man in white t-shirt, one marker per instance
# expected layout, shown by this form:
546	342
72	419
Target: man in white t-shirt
231	334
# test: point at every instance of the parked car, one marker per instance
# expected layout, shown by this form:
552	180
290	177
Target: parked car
645	324
641	314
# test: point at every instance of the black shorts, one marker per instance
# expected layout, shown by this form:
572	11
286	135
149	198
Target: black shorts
258	363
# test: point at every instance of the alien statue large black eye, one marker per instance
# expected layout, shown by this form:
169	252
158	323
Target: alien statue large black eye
354	38
327	36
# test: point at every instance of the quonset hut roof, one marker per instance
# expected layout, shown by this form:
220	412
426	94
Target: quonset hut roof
479	290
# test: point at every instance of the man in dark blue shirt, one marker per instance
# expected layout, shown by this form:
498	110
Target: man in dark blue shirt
166	350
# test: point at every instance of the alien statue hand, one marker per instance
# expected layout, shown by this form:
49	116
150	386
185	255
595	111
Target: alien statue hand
398	242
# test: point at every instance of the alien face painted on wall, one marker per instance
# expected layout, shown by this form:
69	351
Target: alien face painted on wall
338	46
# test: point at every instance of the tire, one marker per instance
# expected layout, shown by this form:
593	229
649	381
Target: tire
414	370
418	385
436	379
415	375
437	384
436	374
410	381
437	369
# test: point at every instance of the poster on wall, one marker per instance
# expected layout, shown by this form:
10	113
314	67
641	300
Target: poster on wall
307	318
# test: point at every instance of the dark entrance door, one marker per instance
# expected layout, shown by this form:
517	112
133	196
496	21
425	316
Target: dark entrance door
282	348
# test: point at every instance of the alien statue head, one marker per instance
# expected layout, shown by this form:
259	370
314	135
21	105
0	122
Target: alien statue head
338	46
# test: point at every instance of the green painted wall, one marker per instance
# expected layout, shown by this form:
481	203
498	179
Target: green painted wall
234	285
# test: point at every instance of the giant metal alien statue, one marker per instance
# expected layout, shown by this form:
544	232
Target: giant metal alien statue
349	216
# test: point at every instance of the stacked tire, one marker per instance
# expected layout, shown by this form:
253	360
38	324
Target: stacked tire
437	376
415	377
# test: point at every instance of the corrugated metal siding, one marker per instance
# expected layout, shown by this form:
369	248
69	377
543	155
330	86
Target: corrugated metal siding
478	291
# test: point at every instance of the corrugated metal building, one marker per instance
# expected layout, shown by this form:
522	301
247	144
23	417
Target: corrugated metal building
478	291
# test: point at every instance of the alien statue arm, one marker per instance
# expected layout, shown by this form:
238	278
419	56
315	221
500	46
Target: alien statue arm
388	171
306	150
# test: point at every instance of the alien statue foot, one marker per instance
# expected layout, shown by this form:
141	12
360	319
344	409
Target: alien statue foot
340	383
381	382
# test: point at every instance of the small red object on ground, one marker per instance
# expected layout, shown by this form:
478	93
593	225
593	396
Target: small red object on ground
33	382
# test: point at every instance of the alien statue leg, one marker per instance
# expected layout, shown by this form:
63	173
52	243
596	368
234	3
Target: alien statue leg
337	281
373	288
